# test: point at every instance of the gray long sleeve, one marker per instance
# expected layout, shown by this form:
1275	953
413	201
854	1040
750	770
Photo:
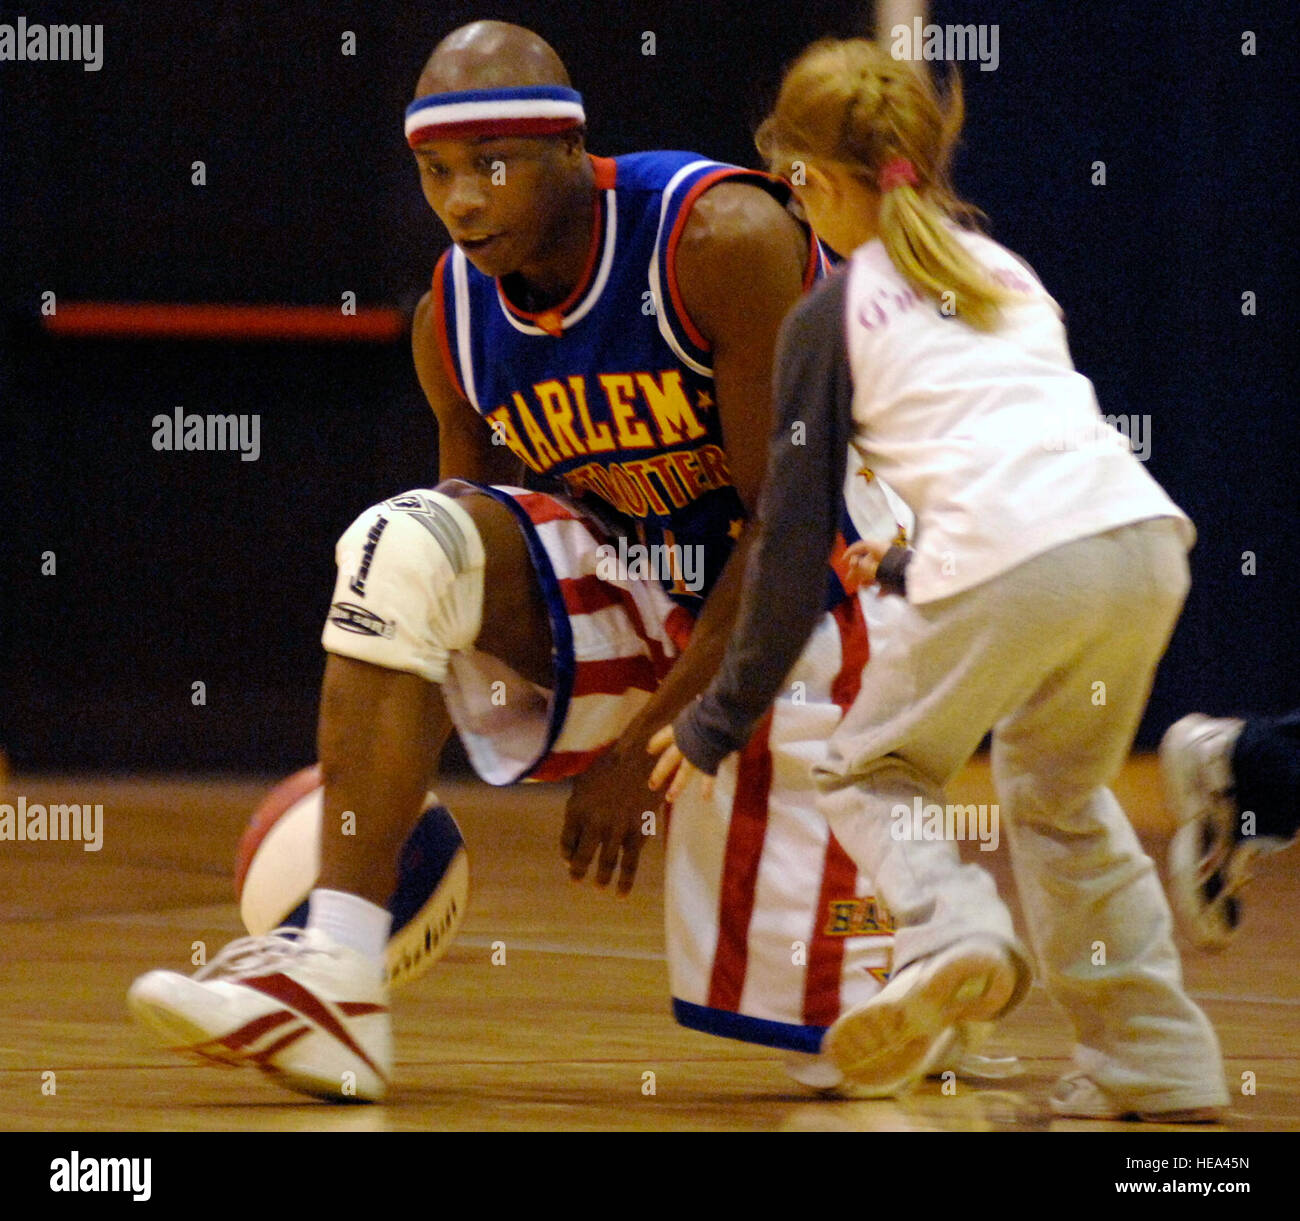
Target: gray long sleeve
798	515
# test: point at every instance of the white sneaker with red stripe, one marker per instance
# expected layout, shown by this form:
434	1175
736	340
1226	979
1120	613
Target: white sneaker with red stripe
295	1004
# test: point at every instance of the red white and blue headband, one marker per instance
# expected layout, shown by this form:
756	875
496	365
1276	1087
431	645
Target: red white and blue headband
526	110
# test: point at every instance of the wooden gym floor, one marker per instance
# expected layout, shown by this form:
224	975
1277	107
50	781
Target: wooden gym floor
559	1038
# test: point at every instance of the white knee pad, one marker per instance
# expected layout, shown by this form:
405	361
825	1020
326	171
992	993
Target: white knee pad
410	585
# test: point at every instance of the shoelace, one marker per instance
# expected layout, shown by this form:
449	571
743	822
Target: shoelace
251	955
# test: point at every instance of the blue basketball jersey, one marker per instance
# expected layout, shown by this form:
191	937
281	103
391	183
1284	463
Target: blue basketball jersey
611	391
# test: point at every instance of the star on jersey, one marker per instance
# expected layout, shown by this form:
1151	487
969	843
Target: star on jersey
704	400
735	527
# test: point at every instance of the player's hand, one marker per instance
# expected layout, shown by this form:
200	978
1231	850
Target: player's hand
862	559
605	812
672	763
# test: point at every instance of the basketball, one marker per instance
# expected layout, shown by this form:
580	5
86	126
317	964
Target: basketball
279	857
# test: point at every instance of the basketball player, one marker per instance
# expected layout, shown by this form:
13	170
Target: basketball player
608	324
1234	786
1040	594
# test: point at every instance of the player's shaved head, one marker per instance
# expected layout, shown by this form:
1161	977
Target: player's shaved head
530	211
490	55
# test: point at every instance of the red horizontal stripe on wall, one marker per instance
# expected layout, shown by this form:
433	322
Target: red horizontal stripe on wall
152	320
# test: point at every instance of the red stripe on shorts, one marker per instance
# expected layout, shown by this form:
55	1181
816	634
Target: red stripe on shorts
561	764
821	985
745	836
839	565
619	596
542	508
855	650
614	677
586	595
821	995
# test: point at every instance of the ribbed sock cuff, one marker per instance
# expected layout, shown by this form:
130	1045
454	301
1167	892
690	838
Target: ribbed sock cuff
352	921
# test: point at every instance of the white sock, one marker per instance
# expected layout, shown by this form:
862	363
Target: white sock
351	921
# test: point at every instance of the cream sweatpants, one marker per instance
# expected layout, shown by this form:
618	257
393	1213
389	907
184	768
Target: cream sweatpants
1057	657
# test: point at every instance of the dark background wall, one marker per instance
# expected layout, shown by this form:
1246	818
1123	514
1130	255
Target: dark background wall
174	568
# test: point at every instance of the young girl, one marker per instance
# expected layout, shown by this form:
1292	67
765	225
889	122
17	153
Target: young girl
1047	573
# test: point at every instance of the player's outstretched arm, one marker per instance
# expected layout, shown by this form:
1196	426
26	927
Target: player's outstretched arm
465	448
740	268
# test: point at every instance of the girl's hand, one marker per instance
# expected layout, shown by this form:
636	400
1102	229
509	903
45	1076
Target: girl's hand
672	763
862	559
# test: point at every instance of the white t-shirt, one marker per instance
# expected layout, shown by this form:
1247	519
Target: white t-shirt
993	438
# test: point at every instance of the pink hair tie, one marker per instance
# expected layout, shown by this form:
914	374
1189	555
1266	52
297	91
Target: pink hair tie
895	173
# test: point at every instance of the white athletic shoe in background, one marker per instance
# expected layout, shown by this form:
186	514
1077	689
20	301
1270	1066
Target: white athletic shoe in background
1209	859
1077	1096
295	1004
905	1031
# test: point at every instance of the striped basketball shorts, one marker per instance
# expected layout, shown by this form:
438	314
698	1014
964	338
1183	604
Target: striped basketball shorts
771	929
613	641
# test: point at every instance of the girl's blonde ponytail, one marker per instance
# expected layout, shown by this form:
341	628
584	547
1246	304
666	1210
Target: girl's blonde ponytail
850	102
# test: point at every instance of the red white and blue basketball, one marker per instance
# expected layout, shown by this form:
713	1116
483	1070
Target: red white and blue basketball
278	861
